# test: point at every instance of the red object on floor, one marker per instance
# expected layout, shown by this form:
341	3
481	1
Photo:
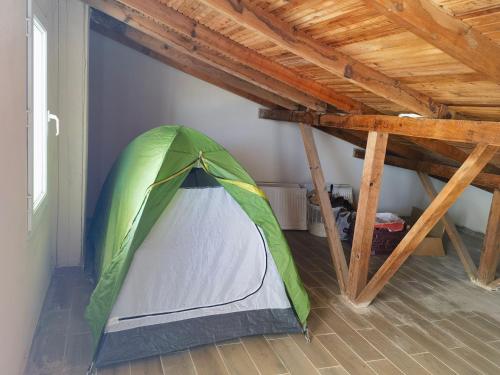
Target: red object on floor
391	222
388	232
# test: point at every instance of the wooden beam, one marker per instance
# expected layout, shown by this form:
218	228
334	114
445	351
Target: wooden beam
450	152
444	31
186	45
451	229
161	52
467	131
485	181
218	42
490	254
476	161
449	130
359	139
439	147
443	149
306	117
353	139
326	57
336	249
369	190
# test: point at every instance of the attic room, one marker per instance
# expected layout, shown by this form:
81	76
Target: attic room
250	187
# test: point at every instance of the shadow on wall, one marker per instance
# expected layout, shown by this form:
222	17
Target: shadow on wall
139	93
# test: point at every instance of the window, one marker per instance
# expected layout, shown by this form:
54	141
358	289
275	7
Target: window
39	131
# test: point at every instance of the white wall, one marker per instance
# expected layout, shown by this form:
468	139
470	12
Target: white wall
24	271
130	93
73	54
472	208
27	260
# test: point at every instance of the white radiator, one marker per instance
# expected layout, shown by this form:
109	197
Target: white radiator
289	203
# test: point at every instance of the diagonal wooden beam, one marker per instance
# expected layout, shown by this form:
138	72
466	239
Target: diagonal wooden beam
160	51
486	181
186	45
490	254
326	57
446	32
369	192
476	161
336	250
467	131
451	229
216	41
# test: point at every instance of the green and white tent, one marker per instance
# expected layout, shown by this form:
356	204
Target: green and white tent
187	251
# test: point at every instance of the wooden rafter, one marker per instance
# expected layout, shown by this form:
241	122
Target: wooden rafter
490	255
371	180
336	250
476	161
451	229
327	57
186	45
487	181
161	52
209	38
446	32
359	139
450	152
467	131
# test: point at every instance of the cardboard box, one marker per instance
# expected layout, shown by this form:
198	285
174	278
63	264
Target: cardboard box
432	244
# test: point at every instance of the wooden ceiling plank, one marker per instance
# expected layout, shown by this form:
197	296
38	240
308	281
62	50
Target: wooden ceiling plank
188	27
468	131
188	46
327	57
444	31
439	206
157	50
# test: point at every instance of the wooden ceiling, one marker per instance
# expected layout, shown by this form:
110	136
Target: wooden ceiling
437	58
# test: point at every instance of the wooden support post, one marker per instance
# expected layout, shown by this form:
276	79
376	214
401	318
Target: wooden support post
490	254
373	168
336	250
476	161
451	229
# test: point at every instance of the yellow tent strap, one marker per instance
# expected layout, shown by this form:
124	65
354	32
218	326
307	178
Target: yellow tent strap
242	185
176	174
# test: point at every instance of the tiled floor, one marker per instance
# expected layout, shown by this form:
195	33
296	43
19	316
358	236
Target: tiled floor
429	320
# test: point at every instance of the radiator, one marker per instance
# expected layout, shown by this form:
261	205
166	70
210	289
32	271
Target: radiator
289	203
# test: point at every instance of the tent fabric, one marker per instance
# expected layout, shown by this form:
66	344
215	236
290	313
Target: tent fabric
228	285
142	183
213	247
157	339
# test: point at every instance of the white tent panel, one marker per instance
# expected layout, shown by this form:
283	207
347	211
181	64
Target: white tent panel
204	256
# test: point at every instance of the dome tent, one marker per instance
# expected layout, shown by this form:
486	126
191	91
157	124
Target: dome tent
187	251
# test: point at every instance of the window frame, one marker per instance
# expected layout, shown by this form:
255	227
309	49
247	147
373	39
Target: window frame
37	114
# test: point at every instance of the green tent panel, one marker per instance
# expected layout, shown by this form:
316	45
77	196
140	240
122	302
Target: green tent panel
142	183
